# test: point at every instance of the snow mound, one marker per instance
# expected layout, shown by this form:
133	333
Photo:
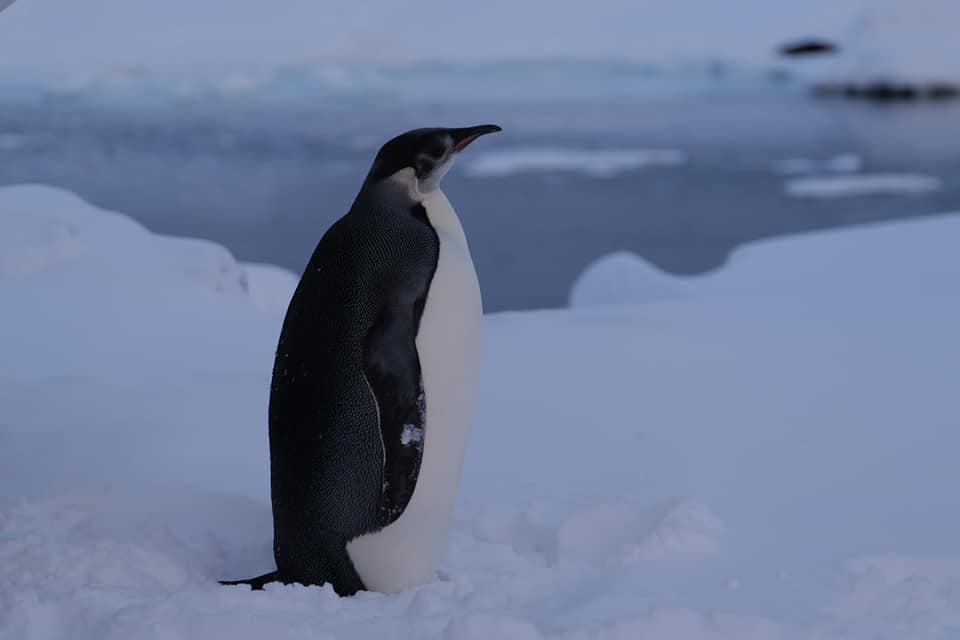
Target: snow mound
33	243
623	278
45	227
862	185
67	266
843	163
597	163
270	286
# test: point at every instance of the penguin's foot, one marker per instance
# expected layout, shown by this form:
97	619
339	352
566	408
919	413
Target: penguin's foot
256	584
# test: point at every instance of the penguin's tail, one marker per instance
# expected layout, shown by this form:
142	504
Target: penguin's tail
256	584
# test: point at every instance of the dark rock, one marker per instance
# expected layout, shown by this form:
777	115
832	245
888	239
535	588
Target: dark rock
889	91
808	47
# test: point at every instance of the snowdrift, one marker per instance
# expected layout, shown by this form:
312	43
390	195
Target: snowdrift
71	273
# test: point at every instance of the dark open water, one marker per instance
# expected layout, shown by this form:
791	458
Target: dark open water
267	183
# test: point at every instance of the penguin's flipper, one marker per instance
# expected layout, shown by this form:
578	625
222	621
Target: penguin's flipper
392	368
256	584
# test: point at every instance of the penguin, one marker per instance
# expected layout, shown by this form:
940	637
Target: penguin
374	381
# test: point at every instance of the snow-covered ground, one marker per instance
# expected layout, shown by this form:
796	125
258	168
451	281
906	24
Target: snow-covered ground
769	453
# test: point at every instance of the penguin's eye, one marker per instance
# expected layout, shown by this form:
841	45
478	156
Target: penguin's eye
423	165
436	150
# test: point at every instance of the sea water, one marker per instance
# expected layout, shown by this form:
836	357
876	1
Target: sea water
681	180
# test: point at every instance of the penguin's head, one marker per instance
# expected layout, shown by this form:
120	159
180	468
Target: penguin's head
418	159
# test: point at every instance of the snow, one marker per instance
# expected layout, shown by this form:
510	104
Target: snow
479	626
52	248
595	163
862	185
410	433
621	278
270	286
769	455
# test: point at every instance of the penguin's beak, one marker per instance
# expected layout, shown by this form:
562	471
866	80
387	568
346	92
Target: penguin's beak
466	135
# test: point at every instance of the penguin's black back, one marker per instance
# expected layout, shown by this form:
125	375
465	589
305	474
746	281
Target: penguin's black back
338	469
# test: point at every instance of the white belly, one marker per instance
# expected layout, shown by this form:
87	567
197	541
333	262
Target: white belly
408	552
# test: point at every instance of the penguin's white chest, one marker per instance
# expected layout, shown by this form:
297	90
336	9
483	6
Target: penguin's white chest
408	552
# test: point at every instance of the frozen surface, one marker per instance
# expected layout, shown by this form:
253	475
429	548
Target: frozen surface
597	163
770	455
862	185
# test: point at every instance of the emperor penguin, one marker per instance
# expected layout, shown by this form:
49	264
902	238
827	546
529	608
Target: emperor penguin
374	381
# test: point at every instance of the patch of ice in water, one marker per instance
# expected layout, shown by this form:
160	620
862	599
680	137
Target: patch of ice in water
11	141
843	163
862	185
595	163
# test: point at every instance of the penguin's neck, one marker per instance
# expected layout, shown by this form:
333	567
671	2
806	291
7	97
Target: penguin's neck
439	211
442	217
